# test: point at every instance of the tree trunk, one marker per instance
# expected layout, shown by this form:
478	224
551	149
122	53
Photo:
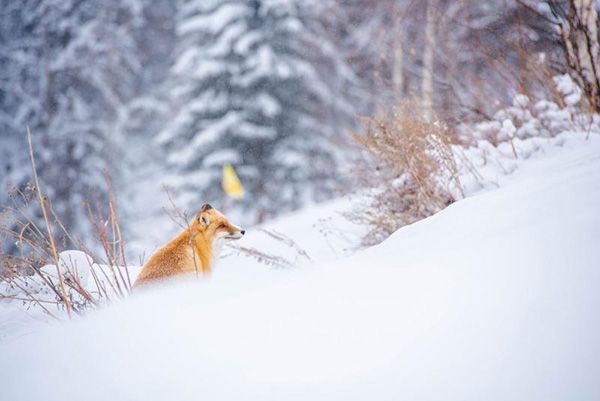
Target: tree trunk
580	41
397	72
427	82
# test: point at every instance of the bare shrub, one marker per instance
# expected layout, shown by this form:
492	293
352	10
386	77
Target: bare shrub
410	167
269	259
34	275
39	274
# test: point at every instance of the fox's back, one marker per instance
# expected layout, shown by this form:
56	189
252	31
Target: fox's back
172	259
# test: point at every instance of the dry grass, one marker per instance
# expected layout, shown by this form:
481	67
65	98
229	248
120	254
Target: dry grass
410	167
37	274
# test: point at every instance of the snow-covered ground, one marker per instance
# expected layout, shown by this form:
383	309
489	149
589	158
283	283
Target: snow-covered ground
494	298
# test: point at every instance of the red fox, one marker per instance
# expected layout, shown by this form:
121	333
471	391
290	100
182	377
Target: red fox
194	250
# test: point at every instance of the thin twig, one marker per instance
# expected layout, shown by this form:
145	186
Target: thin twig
48	227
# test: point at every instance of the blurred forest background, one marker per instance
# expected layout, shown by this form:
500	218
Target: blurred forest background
161	94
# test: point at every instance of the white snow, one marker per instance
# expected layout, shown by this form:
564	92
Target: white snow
494	298
214	21
568	88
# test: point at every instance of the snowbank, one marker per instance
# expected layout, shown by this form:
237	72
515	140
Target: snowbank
305	238
495	298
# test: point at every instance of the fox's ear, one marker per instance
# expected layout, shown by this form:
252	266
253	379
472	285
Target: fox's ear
202	217
203	220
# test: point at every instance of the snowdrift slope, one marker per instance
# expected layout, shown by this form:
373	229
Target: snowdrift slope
495	298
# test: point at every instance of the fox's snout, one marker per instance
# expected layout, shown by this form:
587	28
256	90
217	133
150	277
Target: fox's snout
236	234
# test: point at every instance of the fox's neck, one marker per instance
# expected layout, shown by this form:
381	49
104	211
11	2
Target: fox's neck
217	247
202	250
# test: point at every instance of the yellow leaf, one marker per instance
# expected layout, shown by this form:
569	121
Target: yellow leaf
231	183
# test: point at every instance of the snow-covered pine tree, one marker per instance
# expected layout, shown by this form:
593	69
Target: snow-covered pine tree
17	102
248	90
140	199
69	72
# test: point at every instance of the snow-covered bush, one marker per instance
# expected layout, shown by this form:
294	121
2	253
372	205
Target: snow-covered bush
417	168
86	284
543	118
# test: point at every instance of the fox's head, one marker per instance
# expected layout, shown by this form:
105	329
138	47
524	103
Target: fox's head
214	226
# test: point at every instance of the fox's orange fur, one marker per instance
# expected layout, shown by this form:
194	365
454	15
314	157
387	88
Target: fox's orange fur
194	250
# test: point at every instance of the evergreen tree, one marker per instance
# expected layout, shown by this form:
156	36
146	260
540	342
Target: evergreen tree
249	91
69	69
